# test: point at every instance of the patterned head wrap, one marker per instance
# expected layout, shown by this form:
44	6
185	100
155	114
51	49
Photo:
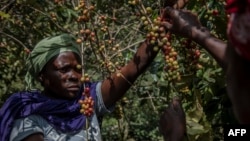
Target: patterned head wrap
238	27
45	50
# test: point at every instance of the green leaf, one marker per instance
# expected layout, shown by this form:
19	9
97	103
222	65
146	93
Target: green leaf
4	15
195	128
207	76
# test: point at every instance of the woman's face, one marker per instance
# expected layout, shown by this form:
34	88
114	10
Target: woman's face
61	77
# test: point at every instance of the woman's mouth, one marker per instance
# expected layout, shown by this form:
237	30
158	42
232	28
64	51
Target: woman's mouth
73	88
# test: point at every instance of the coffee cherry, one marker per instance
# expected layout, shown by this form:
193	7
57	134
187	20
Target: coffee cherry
149	10
79	41
27	51
82	79
215	12
86	90
79	66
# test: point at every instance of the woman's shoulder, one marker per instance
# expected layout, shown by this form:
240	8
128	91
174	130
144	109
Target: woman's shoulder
23	127
32	120
25	92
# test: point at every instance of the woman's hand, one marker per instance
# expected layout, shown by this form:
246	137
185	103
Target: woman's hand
181	22
178	4
173	122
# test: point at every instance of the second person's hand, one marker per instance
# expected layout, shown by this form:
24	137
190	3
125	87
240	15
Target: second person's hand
181	22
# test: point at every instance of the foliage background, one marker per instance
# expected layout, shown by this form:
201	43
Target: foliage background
118	32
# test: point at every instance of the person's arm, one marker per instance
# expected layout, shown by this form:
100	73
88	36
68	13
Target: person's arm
180	4
115	87
34	137
186	24
215	46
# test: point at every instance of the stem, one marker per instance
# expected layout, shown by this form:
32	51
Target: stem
57	25
152	103
15	39
145	12
87	126
121	50
82	57
120	130
7	5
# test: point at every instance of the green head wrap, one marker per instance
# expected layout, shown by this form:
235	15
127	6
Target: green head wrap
45	50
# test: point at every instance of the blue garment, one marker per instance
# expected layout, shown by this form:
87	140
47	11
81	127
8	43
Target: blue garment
36	124
63	115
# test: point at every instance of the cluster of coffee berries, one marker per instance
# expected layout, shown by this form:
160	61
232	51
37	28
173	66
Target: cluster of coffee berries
86	34
102	22
87	104
172	65
211	13
53	16
157	36
192	55
112	67
86	11
85	79
160	39
119	110
185	90
102	19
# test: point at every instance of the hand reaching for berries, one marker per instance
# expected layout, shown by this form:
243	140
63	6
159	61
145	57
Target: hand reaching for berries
180	22
178	4
186	24
173	122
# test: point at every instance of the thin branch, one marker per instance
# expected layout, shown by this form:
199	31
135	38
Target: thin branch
11	2
121	50
15	39
58	26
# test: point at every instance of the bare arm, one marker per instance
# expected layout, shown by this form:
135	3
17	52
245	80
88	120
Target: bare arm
180	4
186	24
115	87
177	4
35	137
216	47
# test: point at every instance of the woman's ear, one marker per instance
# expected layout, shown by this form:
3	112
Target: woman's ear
41	78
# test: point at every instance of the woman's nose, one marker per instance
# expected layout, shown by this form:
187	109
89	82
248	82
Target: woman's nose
74	75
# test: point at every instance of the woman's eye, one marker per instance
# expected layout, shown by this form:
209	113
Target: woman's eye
63	70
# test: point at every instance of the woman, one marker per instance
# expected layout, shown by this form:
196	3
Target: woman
54	113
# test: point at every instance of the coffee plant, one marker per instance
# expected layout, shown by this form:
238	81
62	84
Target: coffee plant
109	33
